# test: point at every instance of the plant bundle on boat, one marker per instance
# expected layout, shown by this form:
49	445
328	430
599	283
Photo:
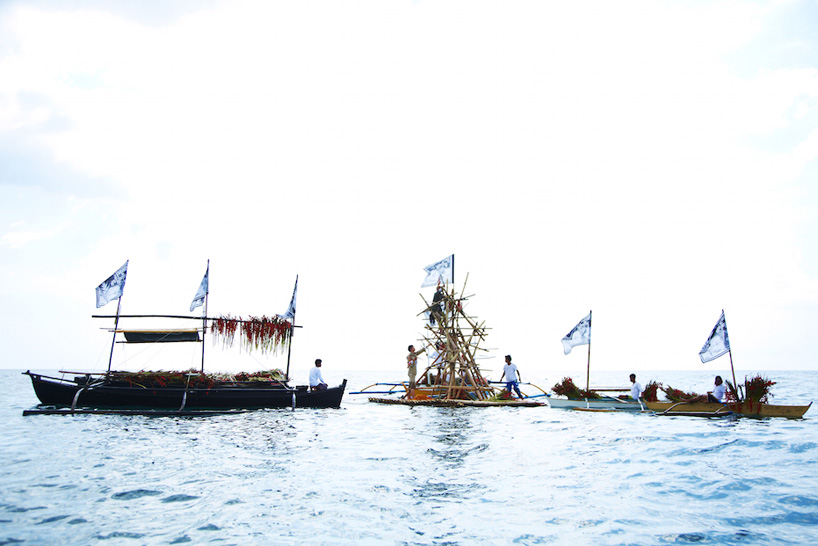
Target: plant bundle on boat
651	392
756	389
567	388
676	395
191	378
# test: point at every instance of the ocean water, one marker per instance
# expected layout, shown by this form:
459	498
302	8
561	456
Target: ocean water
379	474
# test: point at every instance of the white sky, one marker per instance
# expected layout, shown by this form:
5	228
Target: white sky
654	162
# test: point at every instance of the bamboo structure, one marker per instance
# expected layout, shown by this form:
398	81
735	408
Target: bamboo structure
454	338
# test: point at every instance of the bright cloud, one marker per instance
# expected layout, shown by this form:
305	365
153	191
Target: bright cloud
635	159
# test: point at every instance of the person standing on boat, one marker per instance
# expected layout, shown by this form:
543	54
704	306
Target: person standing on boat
317	382
412	367
718	392
512	374
636	388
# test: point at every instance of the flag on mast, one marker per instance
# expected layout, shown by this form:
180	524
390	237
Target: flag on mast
111	288
290	314
442	271
201	294
580	335
718	343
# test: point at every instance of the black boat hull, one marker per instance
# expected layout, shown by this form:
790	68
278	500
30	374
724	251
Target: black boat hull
63	392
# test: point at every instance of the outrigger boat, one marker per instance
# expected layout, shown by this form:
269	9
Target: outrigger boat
591	399
183	393
749	400
714	409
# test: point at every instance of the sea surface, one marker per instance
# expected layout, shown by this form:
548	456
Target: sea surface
380	474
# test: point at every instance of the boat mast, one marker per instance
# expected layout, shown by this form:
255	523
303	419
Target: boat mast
730	352
291	311
116	326
204	314
588	368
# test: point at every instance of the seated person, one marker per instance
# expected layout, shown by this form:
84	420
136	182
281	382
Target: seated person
718	392
636	388
317	382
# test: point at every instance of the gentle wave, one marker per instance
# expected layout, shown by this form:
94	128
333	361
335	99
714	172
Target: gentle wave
370	473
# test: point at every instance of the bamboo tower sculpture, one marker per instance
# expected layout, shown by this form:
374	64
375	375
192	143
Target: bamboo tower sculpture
453	374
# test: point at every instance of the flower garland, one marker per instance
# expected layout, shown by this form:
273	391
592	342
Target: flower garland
267	334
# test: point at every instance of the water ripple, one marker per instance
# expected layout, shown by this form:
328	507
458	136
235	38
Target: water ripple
372	474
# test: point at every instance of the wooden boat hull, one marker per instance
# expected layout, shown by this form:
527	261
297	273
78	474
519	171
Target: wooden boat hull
63	392
603	404
747	409
458	403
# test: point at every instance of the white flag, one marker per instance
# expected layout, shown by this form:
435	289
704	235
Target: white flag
580	335
201	294
439	271
718	343
111	288
290	314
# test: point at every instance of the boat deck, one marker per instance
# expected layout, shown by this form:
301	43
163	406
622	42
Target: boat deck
116	411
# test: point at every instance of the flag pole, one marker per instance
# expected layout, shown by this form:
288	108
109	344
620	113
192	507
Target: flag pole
588	369
730	352
290	341
116	326
733	371
204	315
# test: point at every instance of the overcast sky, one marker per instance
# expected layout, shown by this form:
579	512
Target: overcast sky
652	161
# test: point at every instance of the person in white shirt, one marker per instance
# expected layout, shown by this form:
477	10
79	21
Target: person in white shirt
718	392
512	374
636	388
317	382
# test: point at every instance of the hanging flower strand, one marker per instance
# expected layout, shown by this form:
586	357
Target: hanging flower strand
267	334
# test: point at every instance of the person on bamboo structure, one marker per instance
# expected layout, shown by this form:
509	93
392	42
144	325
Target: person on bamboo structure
636	388
437	310
412	367
435	357
317	382
512	374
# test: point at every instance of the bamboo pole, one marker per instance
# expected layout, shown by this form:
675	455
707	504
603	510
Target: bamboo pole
588	369
204	314
116	326
733	371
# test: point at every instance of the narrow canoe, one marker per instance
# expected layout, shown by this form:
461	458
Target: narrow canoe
747	409
595	403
